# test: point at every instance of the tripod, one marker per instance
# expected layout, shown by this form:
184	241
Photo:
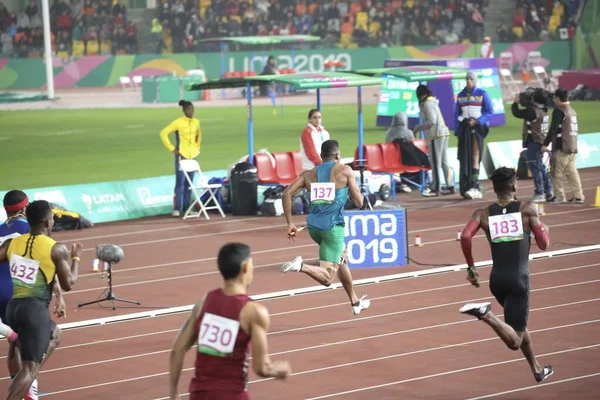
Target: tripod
363	190
110	295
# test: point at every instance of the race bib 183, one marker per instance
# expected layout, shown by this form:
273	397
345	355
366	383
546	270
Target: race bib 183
24	269
217	335
506	227
322	192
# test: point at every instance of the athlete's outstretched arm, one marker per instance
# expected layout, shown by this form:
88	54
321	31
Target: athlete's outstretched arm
261	363
467	234
466	239
183	342
355	194
60	307
67	265
540	231
289	192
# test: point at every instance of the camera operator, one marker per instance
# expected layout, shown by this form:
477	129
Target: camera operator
535	127
563	136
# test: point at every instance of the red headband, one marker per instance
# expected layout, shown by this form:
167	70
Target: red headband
16	207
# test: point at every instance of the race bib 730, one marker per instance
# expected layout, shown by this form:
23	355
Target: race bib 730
322	192
217	335
506	227
23	269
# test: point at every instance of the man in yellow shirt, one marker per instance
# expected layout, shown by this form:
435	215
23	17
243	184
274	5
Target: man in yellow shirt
35	261
188	137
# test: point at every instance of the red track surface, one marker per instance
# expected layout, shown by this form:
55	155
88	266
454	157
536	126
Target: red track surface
411	344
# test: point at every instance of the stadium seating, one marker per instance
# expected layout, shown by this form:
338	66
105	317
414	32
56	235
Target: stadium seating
265	169
297	157
386	158
373	157
284	168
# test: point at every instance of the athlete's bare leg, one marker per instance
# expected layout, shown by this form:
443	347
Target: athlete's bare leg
29	370
514	340
13	360
527	349
345	278
324	274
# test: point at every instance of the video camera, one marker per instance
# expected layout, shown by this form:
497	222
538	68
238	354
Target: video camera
538	96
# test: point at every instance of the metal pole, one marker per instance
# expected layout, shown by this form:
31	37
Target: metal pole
422	136
250	127
360	124
319	99
48	49
223	67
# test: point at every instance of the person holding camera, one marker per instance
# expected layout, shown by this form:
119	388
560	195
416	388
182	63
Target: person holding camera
535	128
563	136
473	112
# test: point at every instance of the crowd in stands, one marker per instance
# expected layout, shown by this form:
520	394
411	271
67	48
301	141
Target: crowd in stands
361	23
78	27
540	20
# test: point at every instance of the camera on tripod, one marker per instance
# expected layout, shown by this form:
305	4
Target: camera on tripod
539	96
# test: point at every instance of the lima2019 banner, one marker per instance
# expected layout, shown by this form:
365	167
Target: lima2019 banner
105	70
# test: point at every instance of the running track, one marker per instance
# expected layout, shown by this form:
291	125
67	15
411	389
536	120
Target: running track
411	344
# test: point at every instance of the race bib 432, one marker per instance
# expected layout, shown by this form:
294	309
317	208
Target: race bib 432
24	269
506	227
217	335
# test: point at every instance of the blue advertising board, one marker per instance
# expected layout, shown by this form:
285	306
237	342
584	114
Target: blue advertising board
376	238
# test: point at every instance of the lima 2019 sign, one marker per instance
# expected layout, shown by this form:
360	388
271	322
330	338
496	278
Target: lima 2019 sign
300	62
376	238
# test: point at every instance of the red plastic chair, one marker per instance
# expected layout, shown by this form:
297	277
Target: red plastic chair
264	168
284	168
391	157
374	158
297	158
421	144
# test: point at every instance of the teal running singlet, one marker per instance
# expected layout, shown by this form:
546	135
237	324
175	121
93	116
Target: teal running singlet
326	208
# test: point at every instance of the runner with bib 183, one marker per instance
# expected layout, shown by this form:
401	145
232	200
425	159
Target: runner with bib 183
507	225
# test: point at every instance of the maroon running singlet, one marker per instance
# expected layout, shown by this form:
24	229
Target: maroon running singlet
221	369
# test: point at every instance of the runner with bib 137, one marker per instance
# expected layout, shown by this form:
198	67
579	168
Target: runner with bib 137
222	325
328	185
507	224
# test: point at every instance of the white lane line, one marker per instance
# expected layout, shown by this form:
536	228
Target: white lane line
576	378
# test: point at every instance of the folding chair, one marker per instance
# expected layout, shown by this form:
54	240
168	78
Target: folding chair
198	190
542	76
126	83
513	86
